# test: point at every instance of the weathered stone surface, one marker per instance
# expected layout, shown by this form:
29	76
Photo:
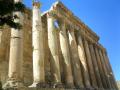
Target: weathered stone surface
83	61
62	41
95	65
64	44
118	84
38	48
53	45
90	64
75	63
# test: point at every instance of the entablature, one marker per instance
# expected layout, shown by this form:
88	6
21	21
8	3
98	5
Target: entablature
59	11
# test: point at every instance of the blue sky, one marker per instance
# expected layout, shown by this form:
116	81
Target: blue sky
103	17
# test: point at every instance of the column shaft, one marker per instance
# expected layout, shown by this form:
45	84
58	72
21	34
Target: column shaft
53	45
100	68
83	61
97	73
108	72
111	76
104	69
75	60
1	32
64	44
2	43
90	64
38	48
16	54
15	73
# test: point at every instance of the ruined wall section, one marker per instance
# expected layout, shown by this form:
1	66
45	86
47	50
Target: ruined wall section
27	54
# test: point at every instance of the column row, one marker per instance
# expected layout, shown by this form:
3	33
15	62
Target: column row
78	59
69	49
85	64
100	72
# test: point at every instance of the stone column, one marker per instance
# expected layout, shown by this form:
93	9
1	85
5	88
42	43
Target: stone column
64	44
2	44
15	74
83	61
110	71
100	67
75	60
1	35
95	65
104	69
54	50
38	48
90	64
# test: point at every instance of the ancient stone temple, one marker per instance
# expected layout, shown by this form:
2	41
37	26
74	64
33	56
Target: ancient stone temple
53	50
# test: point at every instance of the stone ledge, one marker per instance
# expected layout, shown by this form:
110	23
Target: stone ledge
25	88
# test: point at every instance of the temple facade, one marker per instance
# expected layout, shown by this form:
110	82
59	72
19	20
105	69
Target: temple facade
54	49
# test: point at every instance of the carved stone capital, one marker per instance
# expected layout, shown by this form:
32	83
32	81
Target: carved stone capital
36	4
51	15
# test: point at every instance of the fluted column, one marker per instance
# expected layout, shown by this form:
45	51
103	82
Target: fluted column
114	84
94	60
104	69
15	73
38	48
53	45
100	67
90	64
75	60
64	44
83	61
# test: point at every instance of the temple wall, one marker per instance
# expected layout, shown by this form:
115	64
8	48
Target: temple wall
27	51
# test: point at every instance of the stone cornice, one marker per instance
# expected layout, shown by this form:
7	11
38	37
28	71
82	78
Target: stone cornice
63	14
36	4
99	46
73	18
59	11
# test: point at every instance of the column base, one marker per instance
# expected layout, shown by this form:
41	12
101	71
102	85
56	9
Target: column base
89	88
69	86
79	88
39	85
100	89
92	88
13	85
56	85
